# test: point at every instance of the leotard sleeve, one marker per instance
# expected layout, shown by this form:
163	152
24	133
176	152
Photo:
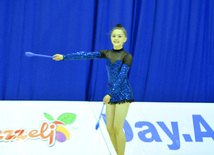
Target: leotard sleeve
122	75
82	55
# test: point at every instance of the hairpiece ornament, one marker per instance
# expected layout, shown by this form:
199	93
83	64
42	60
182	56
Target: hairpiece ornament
118	25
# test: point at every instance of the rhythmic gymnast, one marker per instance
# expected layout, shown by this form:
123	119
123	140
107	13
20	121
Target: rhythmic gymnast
118	63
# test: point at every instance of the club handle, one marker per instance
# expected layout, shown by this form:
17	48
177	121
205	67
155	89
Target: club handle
101	111
41	55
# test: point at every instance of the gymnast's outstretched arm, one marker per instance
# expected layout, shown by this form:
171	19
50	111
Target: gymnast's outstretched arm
79	56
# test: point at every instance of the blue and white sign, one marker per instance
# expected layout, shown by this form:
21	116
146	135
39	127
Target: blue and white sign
169	128
59	127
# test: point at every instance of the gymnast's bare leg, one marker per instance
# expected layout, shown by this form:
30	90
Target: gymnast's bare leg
115	118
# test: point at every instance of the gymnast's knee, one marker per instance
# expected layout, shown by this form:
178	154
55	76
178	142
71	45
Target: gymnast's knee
110	129
117	130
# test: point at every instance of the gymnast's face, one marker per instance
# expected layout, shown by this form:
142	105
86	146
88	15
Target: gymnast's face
118	38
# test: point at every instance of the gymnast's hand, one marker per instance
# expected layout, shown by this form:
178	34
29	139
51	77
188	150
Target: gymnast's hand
107	98
58	57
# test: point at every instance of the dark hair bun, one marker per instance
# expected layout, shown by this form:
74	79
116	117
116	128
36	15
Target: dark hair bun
118	25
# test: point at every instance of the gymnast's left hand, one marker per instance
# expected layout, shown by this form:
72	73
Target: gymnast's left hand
58	57
106	99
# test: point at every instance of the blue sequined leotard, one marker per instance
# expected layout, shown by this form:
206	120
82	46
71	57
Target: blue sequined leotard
118	63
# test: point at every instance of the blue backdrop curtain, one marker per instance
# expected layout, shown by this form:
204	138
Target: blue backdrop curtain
172	43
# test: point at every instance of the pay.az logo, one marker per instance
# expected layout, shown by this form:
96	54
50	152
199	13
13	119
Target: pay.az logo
62	134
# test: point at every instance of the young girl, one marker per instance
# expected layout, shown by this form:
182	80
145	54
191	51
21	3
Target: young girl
118	63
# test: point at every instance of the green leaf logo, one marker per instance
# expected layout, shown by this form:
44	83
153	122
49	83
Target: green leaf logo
49	117
67	118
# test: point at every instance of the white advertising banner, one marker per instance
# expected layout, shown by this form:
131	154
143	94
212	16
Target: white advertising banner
168	128
49	128
60	127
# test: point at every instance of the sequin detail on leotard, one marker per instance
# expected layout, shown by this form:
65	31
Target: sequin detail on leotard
82	55
118	86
